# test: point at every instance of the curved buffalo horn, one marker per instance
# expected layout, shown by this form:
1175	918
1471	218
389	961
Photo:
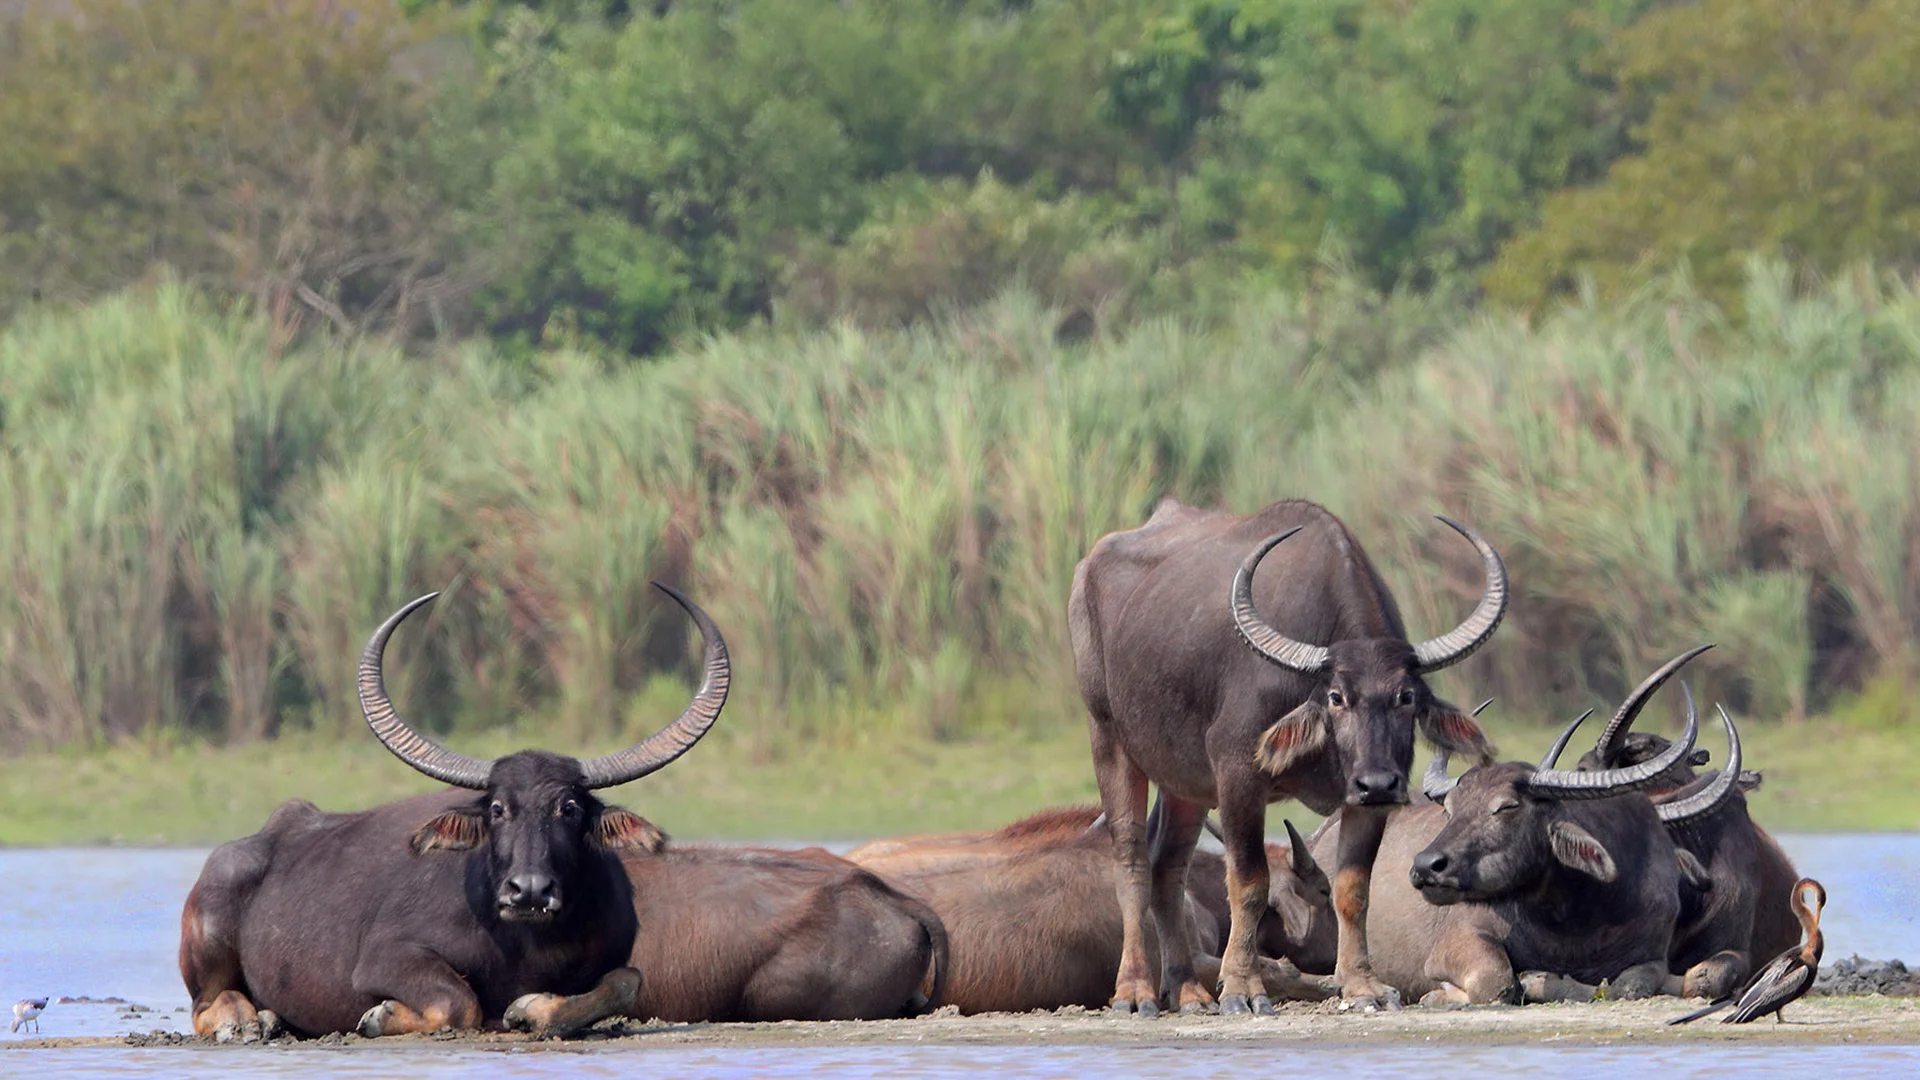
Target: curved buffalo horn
1611	736
1605	783
1436	783
1302	852
407	744
1560	744
678	737
1268	642
1715	794
1459	643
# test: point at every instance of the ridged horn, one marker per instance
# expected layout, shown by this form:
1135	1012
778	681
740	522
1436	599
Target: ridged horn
1435	783
1611	736
1717	792
407	744
663	746
1560	744
1268	642
1605	783
1459	643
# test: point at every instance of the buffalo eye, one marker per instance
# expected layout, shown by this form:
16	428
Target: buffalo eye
1505	805
498	811
1406	697
570	809
1336	699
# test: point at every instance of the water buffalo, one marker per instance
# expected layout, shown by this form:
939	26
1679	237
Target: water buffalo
450	909
1158	616
759	935
1514	868
1738	913
1031	912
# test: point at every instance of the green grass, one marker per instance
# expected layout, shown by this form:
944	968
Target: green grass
201	522
1839	773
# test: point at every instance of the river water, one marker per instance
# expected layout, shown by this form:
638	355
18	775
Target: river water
103	923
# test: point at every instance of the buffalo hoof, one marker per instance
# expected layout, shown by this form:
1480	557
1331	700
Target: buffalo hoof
1236	1005
1194	1008
1387	1000
1262	1005
532	1012
1145	1008
374	1022
264	1026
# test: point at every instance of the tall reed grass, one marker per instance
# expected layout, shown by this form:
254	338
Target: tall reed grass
200	523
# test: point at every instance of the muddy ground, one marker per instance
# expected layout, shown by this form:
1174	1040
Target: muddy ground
1853	1019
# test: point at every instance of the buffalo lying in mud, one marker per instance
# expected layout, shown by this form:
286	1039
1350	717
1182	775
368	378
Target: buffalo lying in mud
1735	913
451	909
1158	617
1033	923
1514	869
759	935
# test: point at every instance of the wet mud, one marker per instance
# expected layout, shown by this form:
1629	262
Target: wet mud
1868	1019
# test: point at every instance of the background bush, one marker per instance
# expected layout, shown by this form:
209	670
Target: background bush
865	319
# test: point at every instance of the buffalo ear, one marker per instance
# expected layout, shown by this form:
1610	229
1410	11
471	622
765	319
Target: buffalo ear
1691	870
617	829
455	830
1449	729
1576	848
1297	735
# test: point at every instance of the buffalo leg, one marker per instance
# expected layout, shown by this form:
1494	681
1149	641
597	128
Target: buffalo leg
1243	822
209	955
421	993
1123	795
1284	982
1471	968
1360	833
551	1014
1640	980
1169	851
1717	976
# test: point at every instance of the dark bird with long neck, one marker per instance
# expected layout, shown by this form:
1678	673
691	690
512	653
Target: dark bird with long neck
1791	974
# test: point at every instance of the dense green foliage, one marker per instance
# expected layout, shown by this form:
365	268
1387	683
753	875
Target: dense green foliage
201	525
597	171
1777	126
867	317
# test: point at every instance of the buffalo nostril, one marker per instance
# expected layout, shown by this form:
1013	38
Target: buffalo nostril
1430	863
1377	783
529	890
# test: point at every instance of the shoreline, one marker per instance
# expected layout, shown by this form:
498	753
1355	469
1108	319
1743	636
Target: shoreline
1862	1020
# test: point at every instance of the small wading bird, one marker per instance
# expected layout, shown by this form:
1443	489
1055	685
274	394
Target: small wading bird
1788	978
27	1011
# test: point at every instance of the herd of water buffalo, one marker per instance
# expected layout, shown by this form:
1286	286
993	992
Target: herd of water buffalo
518	898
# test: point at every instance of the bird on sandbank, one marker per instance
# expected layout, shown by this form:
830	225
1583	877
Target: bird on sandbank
27	1011
1788	977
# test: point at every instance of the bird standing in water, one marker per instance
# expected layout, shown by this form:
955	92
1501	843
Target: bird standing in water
1788	977
28	1011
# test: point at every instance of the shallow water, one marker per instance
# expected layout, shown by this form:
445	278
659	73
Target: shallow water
104	923
937	1062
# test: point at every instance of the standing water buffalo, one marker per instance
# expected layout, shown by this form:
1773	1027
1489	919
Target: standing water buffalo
1738	912
1173	697
757	935
1514	868
1031	913
444	910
